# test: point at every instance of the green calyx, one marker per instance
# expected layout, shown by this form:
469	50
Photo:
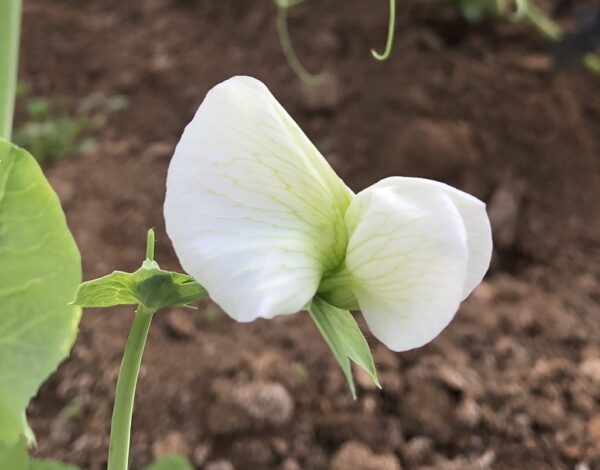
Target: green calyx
336	289
345	340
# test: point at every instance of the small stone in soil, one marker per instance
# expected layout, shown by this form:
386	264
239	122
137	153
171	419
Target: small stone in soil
172	443
219	465
180	325
419	450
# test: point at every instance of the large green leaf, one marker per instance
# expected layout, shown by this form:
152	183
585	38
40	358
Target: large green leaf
170	462
48	464
15	457
149	286
40	270
344	338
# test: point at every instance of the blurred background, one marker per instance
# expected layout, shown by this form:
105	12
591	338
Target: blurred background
106	87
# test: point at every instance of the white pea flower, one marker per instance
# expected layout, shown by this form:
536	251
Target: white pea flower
259	218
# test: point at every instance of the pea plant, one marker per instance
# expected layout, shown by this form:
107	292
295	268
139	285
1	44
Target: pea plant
261	224
569	46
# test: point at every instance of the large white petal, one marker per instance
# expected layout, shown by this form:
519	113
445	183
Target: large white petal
255	213
475	218
407	257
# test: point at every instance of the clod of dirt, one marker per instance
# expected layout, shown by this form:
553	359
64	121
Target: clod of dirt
252	451
482	462
593	434
270	367
267	402
504	209
464	380
201	453
439	150
290	464
255	405
418	451
468	413
356	456
180	325
219	465
548	371
363	380
433	420
535	62
172	443
590	368
336	428
547	413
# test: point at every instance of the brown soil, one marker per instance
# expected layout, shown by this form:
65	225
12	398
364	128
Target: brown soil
514	382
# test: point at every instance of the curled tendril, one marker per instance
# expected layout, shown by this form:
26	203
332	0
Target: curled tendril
390	35
286	43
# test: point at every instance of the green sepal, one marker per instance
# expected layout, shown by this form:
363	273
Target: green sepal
343	336
170	462
149	286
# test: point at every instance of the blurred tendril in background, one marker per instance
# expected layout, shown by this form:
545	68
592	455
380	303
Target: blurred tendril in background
290	54
574	46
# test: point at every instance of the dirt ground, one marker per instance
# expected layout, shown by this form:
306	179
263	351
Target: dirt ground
513	383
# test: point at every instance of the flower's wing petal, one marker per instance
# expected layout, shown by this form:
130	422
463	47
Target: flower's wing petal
475	218
255	213
407	256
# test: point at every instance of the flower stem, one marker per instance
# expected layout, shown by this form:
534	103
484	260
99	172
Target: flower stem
10	19
118	454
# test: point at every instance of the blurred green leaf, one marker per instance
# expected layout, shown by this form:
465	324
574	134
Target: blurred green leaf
476	11
14	457
50	465
54	132
38	108
344	338
40	270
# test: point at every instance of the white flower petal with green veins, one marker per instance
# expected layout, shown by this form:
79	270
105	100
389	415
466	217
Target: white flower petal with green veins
475	218
255	213
408	256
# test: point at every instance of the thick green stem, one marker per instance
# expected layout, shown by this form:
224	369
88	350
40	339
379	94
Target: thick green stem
118	454
10	19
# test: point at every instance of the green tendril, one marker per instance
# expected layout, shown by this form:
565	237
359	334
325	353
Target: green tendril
286	44
390	35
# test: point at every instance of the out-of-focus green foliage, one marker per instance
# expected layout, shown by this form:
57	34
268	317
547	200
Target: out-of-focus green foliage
53	131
